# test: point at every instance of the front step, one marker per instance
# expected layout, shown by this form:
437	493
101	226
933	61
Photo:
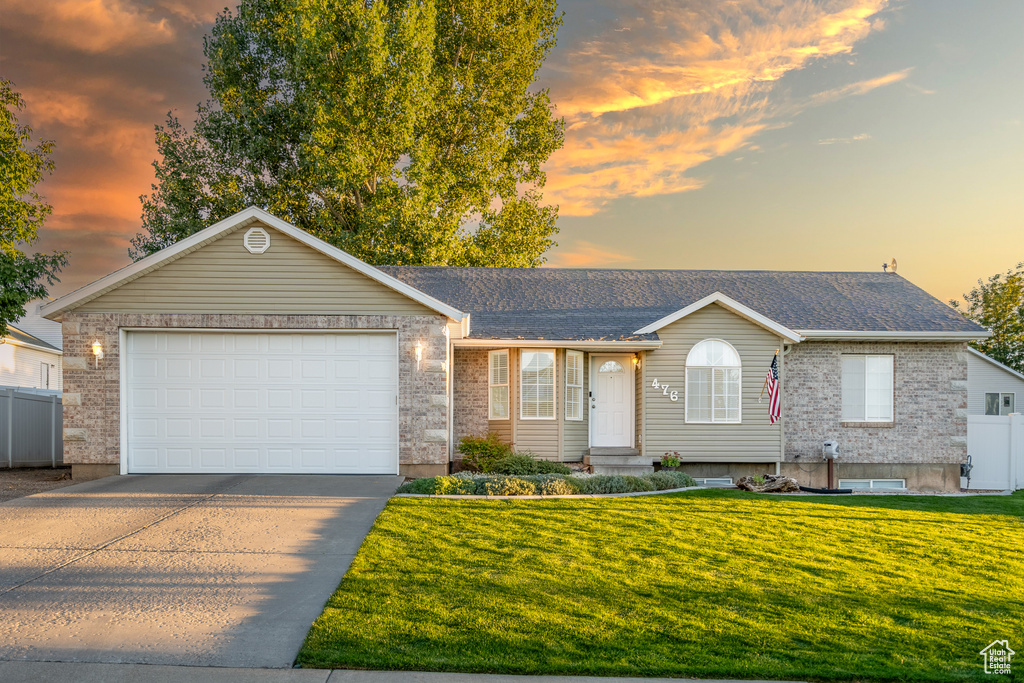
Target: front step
618	461
613	451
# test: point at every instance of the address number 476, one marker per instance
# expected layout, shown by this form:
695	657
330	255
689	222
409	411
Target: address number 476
673	395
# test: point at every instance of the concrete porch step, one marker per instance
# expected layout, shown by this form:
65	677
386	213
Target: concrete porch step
632	470
613	451
621	460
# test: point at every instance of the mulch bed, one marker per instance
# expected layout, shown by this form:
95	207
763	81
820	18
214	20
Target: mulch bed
28	480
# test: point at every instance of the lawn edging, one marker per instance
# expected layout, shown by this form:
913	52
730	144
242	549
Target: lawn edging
539	497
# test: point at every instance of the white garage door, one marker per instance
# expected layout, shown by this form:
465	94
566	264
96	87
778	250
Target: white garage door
213	402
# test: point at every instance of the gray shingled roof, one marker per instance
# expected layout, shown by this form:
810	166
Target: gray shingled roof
563	303
26	338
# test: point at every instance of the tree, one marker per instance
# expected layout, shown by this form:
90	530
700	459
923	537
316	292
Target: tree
999	305
402	131
22	212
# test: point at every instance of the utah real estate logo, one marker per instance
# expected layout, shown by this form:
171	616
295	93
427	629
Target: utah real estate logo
997	657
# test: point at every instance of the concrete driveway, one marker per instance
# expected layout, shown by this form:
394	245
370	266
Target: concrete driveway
206	570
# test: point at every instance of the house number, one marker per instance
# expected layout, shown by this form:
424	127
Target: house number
672	395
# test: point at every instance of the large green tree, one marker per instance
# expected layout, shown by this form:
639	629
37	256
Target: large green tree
23	277
403	131
998	304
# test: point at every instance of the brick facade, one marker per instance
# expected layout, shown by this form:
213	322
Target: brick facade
92	415
930	404
469	393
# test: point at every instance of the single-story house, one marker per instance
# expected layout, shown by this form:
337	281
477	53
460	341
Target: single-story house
992	388
31	352
252	346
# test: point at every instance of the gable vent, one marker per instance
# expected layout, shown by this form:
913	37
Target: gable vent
256	240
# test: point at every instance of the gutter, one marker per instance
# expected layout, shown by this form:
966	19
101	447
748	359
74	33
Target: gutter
881	335
639	345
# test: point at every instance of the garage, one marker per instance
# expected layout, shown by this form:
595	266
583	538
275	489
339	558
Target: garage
303	402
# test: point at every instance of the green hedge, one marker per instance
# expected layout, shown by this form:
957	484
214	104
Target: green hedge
545	484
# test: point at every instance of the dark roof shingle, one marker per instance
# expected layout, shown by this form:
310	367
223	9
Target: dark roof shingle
562	303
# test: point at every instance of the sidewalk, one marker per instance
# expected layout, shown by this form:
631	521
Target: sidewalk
61	672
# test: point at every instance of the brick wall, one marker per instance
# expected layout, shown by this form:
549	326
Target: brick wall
92	395
930	404
469	393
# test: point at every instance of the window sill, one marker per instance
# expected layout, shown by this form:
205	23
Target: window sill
868	425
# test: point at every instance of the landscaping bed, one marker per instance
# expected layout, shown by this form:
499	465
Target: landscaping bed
474	484
707	583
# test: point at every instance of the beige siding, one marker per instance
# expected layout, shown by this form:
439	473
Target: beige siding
539	436
223	277
984	377
20	366
575	436
754	439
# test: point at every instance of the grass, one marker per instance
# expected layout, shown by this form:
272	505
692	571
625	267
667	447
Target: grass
720	584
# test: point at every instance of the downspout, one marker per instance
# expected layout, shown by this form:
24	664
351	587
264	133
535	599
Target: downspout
449	377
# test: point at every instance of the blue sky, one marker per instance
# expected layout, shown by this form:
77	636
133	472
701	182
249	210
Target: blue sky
753	134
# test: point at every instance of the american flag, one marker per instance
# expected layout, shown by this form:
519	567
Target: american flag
774	395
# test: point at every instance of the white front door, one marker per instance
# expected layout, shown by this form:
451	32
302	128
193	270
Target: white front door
611	404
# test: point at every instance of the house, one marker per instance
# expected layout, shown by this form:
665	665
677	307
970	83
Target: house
992	388
252	346
30	352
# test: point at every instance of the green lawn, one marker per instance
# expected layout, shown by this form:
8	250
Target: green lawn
707	584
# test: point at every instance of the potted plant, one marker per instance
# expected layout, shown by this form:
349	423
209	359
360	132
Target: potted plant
671	461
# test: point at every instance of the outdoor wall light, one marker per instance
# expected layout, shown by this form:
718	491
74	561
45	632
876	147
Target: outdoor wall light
636	359
419	351
97	351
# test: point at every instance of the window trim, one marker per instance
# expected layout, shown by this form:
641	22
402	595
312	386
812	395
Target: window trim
999	402
686	386
580	370
871	484
554	384
490	387
892	396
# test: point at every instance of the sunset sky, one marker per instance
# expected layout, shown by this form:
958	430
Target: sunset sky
751	134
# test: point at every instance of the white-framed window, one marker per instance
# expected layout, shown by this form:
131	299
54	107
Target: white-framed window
873	484
1000	403
497	385
573	385
713	376
867	388
537	384
714	481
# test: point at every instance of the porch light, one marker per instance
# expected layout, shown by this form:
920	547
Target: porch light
97	351
636	359
419	351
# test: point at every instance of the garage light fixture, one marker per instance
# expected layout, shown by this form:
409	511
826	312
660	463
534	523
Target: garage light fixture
419	352
97	351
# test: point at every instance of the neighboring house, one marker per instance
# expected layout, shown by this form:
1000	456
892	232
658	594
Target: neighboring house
30	353
252	346
992	388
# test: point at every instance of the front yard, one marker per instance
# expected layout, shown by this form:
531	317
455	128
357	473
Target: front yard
718	584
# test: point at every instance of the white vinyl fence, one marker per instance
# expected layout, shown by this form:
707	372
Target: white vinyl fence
31	428
996	446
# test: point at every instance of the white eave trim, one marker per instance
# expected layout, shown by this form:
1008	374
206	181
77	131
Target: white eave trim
252	214
994	362
729	304
881	335
27	345
644	345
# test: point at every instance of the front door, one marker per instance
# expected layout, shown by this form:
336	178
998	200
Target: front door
611	403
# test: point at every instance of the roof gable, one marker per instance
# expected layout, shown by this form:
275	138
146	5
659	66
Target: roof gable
248	217
730	305
993	361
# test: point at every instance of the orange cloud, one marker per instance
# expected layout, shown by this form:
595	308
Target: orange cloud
92	26
586	255
686	83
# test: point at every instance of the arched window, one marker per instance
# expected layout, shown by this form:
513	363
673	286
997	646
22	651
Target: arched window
713	382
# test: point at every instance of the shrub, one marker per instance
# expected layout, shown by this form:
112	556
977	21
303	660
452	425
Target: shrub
508	486
522	464
556	486
440	486
481	453
670	480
